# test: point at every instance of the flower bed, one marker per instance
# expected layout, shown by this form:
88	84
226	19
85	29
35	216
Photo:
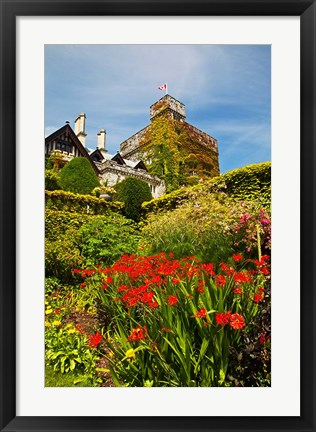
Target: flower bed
175	322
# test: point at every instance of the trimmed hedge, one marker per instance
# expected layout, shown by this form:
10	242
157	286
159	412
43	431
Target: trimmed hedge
87	204
132	192
57	222
249	183
77	176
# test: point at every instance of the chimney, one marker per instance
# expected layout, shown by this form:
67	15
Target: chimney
101	139
80	128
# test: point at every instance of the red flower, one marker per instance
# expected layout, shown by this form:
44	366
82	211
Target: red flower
227	269
222	318
173	300
137	334
237	321
209	268
257	298
95	340
153	304
237	290
166	330
241	277
201	313
237	257
220	280
200	287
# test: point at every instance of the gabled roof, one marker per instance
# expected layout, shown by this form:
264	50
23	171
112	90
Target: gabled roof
118	158
135	164
67	131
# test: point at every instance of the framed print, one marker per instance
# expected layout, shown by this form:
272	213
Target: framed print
154	274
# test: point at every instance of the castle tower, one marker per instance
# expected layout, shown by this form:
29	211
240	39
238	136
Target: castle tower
168	106
80	128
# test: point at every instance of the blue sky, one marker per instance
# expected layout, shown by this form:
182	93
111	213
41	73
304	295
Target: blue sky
226	90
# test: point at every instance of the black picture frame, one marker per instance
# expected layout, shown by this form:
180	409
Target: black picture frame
9	10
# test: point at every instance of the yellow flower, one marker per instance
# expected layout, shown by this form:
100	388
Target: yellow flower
56	323
130	353
47	324
48	311
71	331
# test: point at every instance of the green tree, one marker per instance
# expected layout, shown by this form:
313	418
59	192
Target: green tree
78	176
133	192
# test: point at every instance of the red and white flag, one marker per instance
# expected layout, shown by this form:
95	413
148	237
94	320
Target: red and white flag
163	87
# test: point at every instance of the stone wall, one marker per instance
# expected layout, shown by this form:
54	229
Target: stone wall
203	137
170	104
113	173
132	144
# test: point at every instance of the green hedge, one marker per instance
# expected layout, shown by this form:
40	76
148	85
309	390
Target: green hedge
132	192
249	183
78	176
68	201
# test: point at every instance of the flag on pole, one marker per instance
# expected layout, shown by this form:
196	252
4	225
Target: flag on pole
163	87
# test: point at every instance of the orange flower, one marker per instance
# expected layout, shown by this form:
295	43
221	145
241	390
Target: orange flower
137	334
173	300
201	313
237	321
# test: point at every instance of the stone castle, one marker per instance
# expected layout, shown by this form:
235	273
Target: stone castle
131	160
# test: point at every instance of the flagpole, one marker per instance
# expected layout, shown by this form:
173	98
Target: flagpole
166	88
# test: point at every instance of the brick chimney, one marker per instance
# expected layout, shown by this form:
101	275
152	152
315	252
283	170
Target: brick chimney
80	128
101	139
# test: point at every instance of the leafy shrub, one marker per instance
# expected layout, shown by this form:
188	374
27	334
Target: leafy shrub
62	256
200	227
87	204
133	192
52	180
251	230
84	241
57	222
104	240
78	176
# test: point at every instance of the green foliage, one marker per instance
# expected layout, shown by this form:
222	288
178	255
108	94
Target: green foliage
133	192
250	183
78	176
62	256
67	348
76	240
57	222
52	179
103	241
199	227
173	151
71	379
87	204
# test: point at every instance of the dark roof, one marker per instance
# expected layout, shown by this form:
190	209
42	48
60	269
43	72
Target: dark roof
67	130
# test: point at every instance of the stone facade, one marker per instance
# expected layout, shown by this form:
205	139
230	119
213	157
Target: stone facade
112	173
65	144
127	162
170	107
